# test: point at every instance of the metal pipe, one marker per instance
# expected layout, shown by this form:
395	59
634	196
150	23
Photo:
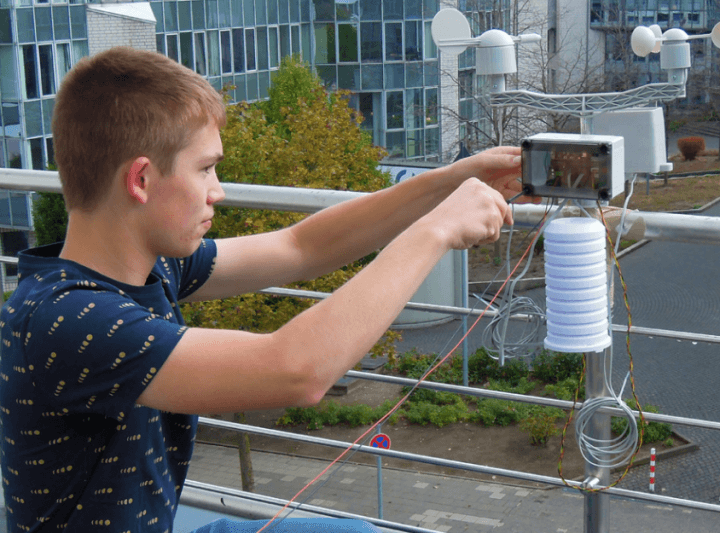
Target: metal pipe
513	474
523	398
597	504
657	226
253	506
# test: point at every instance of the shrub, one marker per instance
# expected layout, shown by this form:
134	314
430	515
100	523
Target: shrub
565	390
653	431
513	371
540	425
439	415
491	412
332	413
690	147
551	367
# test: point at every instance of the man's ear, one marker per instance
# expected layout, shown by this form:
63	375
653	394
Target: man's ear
135	179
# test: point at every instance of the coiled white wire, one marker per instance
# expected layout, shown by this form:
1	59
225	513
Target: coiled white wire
608	453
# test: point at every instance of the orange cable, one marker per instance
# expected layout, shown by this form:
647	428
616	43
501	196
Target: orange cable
404	398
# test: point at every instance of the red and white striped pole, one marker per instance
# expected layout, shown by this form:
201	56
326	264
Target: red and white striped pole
652	470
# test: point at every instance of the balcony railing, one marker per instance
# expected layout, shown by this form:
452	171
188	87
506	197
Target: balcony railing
655	226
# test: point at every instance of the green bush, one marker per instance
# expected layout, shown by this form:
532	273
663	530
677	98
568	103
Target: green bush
513	371
551	367
540	425
565	390
653	431
494	412
523	386
424	413
332	413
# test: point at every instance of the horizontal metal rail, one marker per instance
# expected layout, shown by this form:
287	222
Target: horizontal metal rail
466	311
656	226
252	506
449	463
524	398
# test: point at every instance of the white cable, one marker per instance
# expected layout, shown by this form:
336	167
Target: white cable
608	453
496	332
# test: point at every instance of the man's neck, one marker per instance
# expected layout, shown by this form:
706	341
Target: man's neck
108	246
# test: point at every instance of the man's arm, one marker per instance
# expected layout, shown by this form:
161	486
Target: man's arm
219	370
346	232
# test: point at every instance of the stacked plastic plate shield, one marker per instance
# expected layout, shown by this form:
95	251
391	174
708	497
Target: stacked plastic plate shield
576	286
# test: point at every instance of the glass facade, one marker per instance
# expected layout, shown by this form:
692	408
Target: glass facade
380	50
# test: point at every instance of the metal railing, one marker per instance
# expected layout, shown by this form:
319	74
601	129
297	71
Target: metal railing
657	226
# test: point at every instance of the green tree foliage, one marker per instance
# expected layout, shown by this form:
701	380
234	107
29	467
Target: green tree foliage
50	218
301	137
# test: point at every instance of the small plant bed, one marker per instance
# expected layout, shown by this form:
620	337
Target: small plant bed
489	432
553	374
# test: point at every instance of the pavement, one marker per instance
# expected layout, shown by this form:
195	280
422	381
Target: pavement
670	286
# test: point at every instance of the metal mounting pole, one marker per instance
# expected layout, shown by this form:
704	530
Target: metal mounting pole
597	504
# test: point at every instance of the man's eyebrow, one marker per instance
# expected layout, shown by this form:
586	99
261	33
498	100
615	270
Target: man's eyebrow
215	158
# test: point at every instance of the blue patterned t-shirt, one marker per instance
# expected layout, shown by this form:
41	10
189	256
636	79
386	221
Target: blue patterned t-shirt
78	349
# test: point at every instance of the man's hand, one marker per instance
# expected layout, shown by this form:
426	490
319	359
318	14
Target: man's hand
498	167
472	215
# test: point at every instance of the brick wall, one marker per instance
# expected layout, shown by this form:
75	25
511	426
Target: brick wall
106	30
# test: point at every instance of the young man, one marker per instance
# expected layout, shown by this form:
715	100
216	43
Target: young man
100	377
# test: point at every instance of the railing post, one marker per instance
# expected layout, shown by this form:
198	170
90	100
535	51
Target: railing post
379	480
597	504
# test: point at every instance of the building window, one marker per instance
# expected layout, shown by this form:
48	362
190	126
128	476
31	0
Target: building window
225	52
393	41
371	41
30	71
348	42
250	62
262	49
186	49
394	107
172	48
413	41
274	47
200	61
324	43
213	44
239	49
47	71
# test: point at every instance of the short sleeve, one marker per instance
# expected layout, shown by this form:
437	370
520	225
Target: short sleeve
95	351
189	274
